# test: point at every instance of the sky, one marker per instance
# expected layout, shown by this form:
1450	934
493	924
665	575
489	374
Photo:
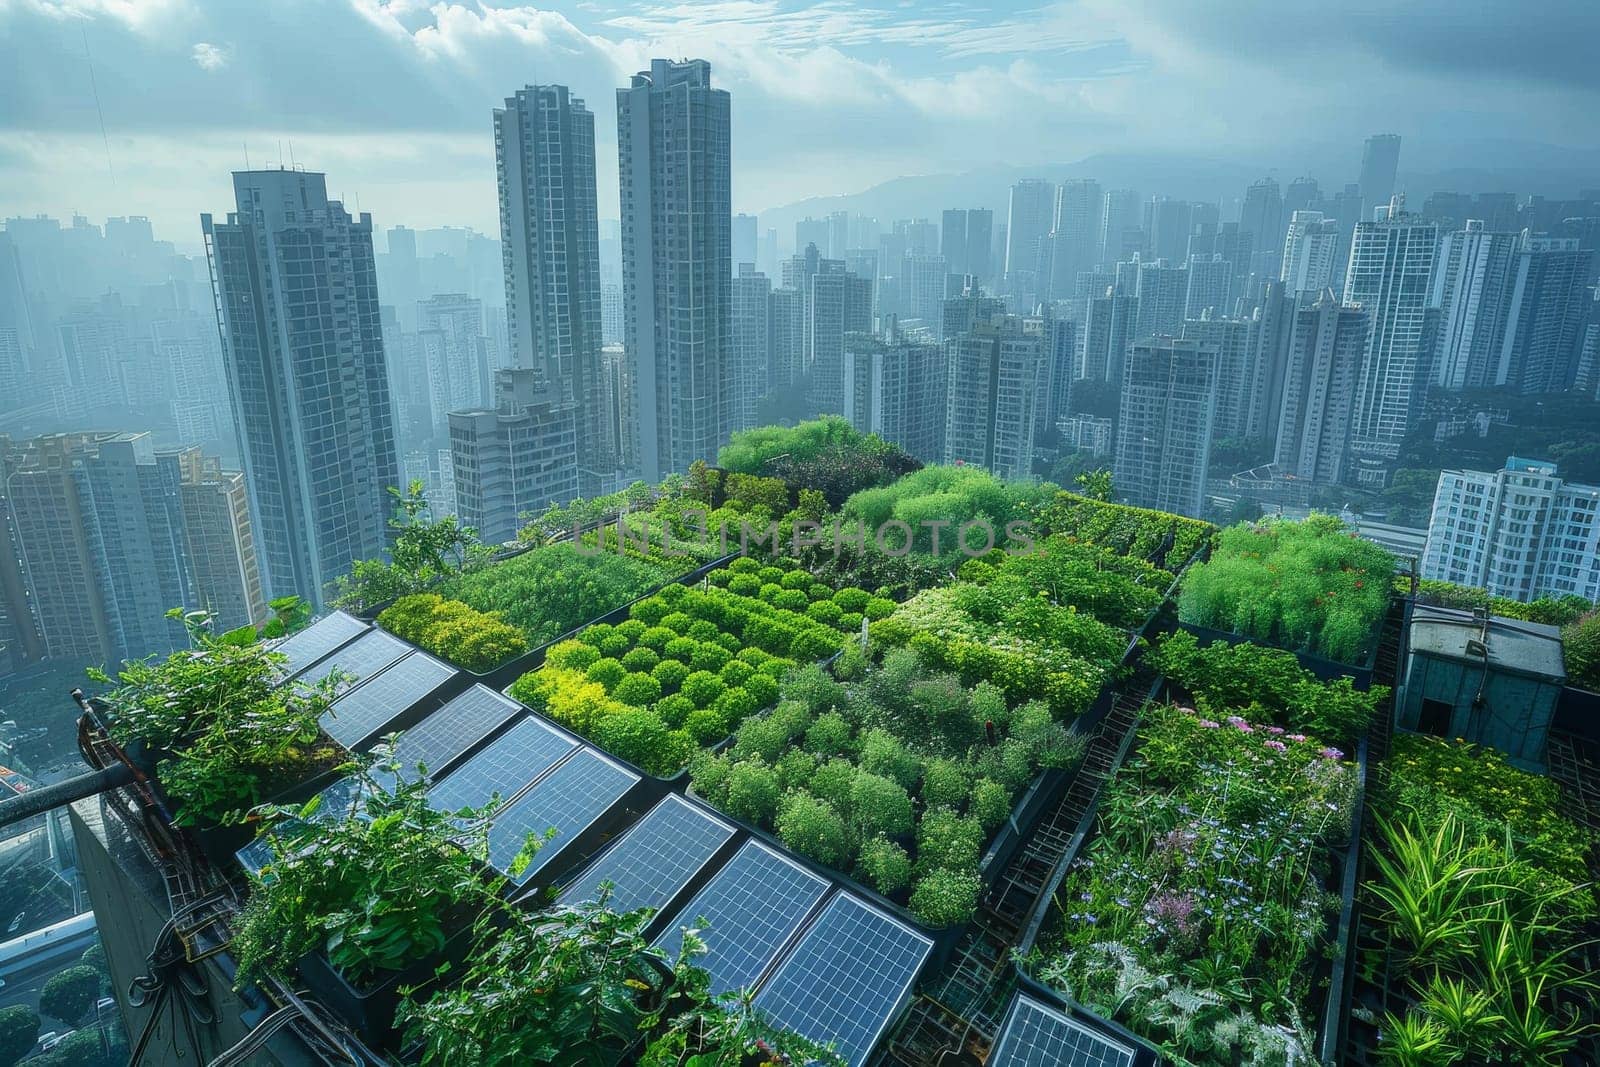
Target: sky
112	107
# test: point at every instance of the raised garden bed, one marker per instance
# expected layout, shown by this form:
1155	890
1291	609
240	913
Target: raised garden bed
1158	537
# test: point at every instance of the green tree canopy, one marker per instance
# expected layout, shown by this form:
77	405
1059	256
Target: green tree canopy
69	994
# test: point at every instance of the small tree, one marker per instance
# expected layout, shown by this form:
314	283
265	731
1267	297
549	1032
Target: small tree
1096	485
69	994
1581	641
19	1032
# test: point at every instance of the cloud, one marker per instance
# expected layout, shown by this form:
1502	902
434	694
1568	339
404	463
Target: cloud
210	57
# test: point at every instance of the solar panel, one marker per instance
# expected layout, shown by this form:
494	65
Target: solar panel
655	859
847	978
317	640
365	711
1037	1035
568	799
338	802
750	908
447	733
360	659
511	761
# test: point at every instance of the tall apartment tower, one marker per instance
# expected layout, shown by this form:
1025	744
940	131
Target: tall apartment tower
1108	326
1390	275
296	291
1028	221
1210	285
1325	351
1311	245
837	303
897	387
516	457
1472	290
1121	226
953	239
1162	290
751	343
1550	302
218	537
1164	425
1521	532
744	239
1235	341
677	261
994	379
1262	215
550	242
1380	162
1075	234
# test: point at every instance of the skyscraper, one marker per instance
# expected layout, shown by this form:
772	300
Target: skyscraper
1380	161
1210	285
673	131
953	239
1235	343
297	298
751	343
1075	234
1028	220
837	303
1167	228
897	388
1550	300
1164	425
550	241
1390	273
1162	290
1325	352
1109	321
1311	244
994	378
980	244
1262	215
1472	290
1121	226
744	240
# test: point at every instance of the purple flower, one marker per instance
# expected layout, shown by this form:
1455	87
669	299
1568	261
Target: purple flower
1278	746
1276	731
1331	753
1298	737
1208	724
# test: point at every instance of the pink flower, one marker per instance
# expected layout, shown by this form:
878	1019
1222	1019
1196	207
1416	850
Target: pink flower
1241	725
1331	753
1278	746
1298	737
1208	724
1276	731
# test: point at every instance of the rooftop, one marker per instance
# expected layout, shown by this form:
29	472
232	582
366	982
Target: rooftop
1509	644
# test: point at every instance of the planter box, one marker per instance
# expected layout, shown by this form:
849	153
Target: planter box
370	1011
1325	669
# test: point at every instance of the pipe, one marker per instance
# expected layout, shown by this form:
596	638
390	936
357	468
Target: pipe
38	801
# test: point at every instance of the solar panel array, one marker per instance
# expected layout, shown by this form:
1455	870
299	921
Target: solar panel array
655	859
364	712
447	733
1037	1035
317	640
847	977
568	800
360	659
745	914
510	762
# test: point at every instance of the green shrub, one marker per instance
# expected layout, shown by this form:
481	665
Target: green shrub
640	660
593	635
824	611
639	736
880	806
650	610
882	753
944	898
879	608
829	734
814	687
681	649
678	622
990	804
706	725
709	657
745	585
703	630
708	774
656	638
703	688
752	792
761	738
640	690
670	673
574	655
832	781
608	672
812	828
735	672
796	580
884	866
476	640
1581	640
615	645
944	785
674	710
949	841
795	768
852	599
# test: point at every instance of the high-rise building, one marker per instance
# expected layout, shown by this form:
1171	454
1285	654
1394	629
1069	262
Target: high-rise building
1262	215
1164	424
1311	244
751	343
456	353
1380	162
514	458
610	314
1121	226
1326	347
673	130
959	314
1210	285
550	240
297	299
922	286
104	534
1167	226
1058	367
810	231
994	378
837	303
1162	290
1390	274
953	240
1473	292
1520	532
1236	346
1075	234
980	245
744	240
788	345
1549	304
897	388
1235	246
1106	331
1028	221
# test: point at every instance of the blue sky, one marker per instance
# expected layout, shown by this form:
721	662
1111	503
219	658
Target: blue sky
393	99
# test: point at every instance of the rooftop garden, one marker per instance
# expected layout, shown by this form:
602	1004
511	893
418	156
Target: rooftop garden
1482	906
896	774
827	455
1159	537
1310	587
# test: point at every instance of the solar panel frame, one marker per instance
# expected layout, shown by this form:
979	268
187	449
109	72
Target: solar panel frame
453	730
359	660
361	715
655	859
327	634
760	897
572	797
1035	1034
820	988
506	765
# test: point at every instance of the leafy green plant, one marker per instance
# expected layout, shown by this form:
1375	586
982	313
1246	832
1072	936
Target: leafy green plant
19	1032
424	550
476	640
